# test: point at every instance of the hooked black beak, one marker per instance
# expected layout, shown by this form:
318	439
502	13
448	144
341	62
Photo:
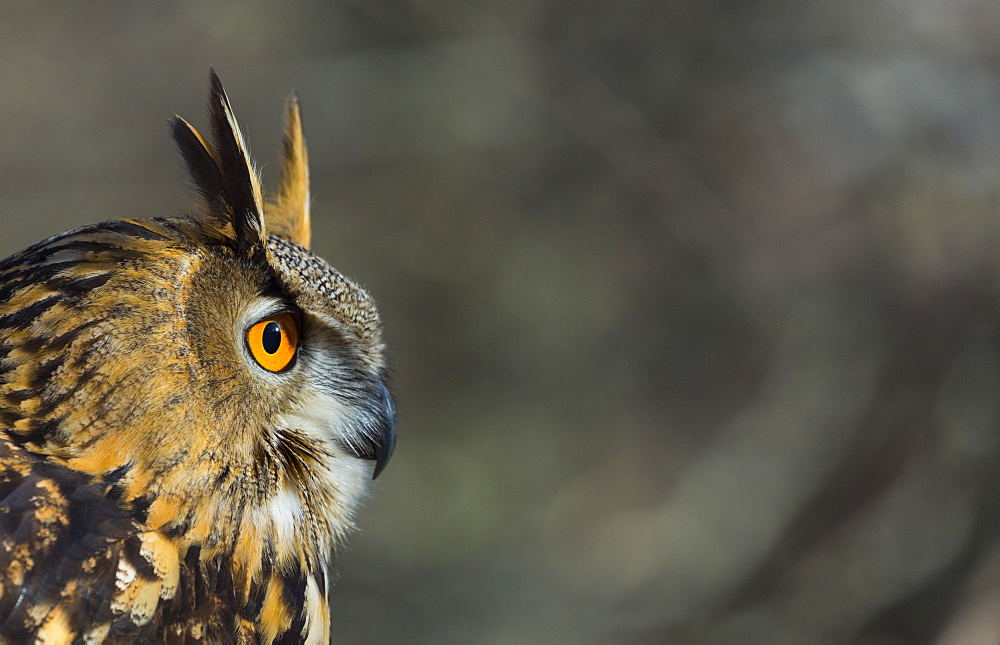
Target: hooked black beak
379	437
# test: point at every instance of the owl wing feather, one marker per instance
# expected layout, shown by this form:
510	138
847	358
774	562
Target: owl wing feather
76	564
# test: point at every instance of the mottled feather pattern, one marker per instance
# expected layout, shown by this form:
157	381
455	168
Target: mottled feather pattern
156	484
80	567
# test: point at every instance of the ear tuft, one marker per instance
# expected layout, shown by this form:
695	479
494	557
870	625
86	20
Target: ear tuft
201	163
223	173
242	187
288	214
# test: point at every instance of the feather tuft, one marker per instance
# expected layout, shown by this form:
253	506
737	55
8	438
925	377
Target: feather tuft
223	173
288	214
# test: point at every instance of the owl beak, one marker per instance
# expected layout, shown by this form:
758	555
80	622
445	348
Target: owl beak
380	439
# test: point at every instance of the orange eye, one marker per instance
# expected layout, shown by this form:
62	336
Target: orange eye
273	341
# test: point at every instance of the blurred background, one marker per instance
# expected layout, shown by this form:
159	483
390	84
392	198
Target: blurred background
692	305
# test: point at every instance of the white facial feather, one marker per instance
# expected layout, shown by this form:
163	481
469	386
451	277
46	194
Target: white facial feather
327	421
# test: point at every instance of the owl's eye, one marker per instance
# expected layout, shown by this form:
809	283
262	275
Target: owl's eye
273	341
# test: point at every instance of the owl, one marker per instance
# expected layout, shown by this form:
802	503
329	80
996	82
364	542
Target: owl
191	408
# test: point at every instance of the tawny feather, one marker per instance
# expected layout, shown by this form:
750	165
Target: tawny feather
288	214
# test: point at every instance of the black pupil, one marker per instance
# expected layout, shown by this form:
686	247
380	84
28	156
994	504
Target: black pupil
271	338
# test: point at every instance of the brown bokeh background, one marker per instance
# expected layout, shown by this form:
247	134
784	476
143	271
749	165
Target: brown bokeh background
692	305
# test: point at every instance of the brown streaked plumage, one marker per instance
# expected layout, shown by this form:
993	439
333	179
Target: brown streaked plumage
159	479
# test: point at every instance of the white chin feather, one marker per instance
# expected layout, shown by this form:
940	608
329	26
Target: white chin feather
344	476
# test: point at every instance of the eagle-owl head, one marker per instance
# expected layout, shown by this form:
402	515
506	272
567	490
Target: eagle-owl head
229	382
